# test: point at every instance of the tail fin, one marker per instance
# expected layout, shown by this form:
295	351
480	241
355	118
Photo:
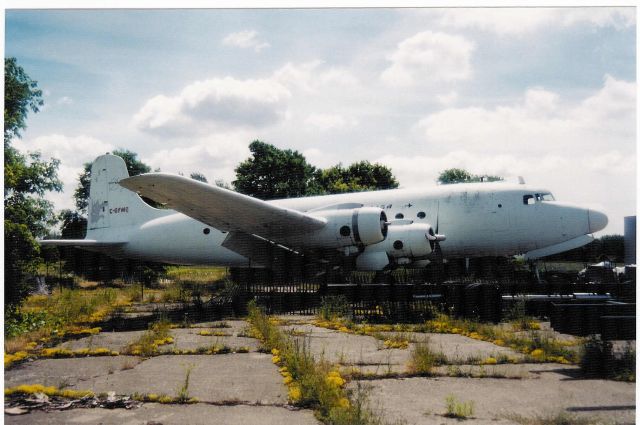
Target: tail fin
111	205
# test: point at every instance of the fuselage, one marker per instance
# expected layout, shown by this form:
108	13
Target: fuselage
480	219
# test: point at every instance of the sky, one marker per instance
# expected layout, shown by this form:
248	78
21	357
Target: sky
544	93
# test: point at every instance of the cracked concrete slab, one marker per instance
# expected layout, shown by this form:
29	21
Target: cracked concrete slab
459	348
116	341
184	338
189	339
422	400
249	377
347	348
195	414
344	348
65	372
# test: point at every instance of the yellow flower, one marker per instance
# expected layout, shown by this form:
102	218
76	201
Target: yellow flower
294	393
276	359
287	380
334	378
344	403
499	342
538	354
490	360
275	352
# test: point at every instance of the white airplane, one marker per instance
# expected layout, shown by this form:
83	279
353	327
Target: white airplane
205	224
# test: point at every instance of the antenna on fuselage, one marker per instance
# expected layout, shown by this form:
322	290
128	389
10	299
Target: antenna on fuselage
520	180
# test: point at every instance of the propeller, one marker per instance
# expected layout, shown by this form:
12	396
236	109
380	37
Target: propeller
436	238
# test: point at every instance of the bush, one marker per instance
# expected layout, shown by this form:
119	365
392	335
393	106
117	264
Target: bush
424	359
333	307
599	361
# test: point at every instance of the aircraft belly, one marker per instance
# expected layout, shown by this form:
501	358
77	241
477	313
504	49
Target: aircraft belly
182	243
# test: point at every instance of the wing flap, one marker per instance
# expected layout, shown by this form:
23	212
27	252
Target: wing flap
222	208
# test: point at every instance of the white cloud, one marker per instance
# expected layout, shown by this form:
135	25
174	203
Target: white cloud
215	156
327	122
540	122
429	57
516	21
245	40
312	77
65	100
447	99
214	105
73	152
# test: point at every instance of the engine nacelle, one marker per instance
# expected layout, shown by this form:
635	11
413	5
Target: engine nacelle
404	244
359	227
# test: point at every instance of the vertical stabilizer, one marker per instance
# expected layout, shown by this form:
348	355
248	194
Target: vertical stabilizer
111	205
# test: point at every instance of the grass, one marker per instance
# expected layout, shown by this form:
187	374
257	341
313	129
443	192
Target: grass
44	320
311	383
27	389
458	409
198	274
183	391
147	345
424	359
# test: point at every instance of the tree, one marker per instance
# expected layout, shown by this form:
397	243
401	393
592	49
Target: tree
459	175
273	173
199	177
21	94
27	178
134	167
358	177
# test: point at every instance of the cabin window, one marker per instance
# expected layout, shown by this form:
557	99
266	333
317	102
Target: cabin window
398	245
399	216
499	205
206	230
421	214
528	200
345	231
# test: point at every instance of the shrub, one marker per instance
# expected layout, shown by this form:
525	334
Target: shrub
458	409
333	307
424	359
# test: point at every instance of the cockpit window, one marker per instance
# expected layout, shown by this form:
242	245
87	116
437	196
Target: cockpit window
528	200
545	197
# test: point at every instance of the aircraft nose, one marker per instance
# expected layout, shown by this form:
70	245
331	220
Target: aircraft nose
597	221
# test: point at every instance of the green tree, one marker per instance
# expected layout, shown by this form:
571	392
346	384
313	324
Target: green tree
358	177
21	94
459	175
199	177
134	167
272	173
27	178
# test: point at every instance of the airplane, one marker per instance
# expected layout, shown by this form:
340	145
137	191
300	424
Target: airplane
203	224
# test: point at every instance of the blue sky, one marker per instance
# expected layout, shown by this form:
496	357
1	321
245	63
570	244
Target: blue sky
549	94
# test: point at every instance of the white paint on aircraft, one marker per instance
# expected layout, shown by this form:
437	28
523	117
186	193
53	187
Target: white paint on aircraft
478	219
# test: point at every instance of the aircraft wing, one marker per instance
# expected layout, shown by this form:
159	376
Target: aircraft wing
223	209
